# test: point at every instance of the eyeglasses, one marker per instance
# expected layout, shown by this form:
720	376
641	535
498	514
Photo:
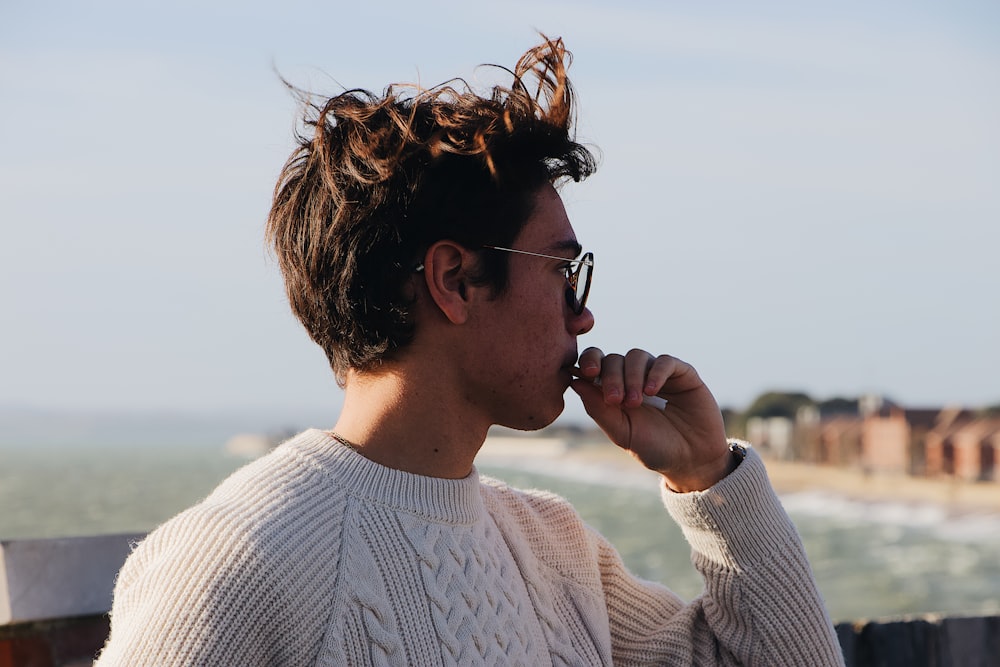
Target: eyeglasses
579	273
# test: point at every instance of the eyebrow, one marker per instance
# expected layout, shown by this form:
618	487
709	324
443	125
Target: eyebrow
567	244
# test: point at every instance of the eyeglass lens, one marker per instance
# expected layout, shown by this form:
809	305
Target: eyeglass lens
579	282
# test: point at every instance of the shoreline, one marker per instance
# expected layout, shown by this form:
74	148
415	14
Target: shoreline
592	461
955	497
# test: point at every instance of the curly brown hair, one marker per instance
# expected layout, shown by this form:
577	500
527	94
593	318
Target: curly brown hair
381	179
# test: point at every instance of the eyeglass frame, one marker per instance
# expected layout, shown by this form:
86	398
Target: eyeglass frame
576	305
572	278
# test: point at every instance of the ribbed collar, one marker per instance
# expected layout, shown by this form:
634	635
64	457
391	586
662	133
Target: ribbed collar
456	501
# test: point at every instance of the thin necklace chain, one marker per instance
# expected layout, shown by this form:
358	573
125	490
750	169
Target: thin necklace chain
344	441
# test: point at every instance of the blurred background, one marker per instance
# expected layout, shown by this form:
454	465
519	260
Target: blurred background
793	198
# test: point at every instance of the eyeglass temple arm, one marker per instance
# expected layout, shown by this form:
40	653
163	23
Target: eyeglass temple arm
588	262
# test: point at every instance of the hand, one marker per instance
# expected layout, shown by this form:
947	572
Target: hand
685	441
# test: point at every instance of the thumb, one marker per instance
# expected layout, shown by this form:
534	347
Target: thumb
608	417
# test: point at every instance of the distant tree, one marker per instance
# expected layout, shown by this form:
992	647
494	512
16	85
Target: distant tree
838	406
778	404
990	411
736	423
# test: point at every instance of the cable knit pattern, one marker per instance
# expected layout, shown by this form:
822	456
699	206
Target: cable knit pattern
314	555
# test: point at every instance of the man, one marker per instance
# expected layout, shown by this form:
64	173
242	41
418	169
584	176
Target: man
426	250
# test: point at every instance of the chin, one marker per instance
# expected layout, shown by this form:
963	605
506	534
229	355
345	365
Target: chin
538	419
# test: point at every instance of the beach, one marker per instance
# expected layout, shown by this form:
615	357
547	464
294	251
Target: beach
594	460
955	496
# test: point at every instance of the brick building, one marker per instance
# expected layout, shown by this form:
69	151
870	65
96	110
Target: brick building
965	447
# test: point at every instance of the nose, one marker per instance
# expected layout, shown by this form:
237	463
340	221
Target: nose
582	323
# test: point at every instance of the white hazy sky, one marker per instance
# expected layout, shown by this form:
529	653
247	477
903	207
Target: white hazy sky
790	197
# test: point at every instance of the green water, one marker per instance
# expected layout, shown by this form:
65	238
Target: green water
69	491
870	561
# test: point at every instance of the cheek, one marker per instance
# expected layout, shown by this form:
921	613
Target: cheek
542	349
539	323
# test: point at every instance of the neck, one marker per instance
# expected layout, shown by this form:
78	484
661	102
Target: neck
401	420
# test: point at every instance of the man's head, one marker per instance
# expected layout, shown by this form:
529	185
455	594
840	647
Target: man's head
376	181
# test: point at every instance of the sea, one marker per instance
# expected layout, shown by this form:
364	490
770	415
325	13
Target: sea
871	560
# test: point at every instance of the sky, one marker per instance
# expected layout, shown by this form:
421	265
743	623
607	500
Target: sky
791	196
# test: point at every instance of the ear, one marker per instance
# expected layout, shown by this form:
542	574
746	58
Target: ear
446	268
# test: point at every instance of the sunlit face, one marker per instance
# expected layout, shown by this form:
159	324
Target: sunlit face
527	335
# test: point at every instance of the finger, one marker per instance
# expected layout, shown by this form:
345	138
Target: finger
607	417
653	401
660	371
613	379
589	393
590	362
679	376
637	364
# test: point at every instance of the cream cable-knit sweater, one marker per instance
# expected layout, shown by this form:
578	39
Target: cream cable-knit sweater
314	555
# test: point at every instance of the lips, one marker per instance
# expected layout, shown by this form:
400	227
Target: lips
569	361
568	369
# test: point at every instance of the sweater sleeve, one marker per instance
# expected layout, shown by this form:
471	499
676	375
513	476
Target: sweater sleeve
226	583
186	597
760	605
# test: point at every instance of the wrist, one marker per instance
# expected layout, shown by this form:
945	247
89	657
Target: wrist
711	474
